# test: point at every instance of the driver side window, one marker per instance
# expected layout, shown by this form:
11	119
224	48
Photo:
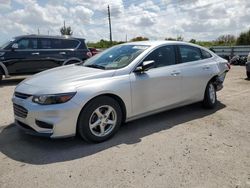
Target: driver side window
163	56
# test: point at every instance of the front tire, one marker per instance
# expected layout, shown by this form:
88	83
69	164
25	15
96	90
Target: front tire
1	77
248	75
210	97
100	119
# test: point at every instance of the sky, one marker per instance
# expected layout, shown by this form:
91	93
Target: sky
155	19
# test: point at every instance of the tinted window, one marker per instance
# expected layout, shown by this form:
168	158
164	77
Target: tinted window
162	56
69	44
205	54
27	44
46	43
189	53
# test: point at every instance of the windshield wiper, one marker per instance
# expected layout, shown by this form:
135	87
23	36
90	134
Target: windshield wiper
95	66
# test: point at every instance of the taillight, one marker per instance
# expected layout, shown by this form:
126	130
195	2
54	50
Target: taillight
89	54
229	66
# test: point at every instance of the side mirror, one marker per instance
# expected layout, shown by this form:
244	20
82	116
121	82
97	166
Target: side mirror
14	46
146	65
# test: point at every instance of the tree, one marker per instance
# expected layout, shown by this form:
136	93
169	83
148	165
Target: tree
179	38
170	38
244	38
140	38
226	40
66	30
193	41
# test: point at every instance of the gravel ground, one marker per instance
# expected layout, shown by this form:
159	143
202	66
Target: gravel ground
185	147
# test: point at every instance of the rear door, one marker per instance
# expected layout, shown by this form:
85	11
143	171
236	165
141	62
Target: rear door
50	56
69	49
196	71
158	87
55	51
25	57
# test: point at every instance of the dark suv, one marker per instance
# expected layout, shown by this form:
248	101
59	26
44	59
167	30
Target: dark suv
34	53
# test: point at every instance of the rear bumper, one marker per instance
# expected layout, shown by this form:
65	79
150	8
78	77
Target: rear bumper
219	81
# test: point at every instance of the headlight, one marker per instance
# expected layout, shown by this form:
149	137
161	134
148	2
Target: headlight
2	53
53	99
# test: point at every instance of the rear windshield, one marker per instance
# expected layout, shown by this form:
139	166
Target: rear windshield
116	57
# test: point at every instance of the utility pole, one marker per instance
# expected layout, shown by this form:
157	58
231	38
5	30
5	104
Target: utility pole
110	30
38	31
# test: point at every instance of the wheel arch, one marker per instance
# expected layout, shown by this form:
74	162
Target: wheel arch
3	69
71	59
116	98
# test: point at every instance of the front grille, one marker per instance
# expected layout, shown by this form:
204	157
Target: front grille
20	111
22	95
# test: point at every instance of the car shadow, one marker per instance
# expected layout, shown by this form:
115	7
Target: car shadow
10	82
36	150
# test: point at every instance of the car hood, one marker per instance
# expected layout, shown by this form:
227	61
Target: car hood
62	79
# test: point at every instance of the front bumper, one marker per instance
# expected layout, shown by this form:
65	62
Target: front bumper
60	118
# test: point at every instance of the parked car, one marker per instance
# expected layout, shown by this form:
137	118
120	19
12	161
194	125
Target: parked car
94	51
34	53
237	60
121	84
248	66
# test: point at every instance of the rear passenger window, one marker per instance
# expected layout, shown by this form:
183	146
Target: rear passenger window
189	53
205	54
46	43
69	44
162	56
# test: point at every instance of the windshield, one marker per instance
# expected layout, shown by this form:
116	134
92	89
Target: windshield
116	57
6	43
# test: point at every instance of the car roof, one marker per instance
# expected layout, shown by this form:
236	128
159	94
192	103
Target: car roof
48	36
155	43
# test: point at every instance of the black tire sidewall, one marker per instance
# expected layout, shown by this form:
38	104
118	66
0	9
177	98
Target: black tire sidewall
248	75
207	102
83	120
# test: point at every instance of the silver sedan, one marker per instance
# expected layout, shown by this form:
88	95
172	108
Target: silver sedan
123	83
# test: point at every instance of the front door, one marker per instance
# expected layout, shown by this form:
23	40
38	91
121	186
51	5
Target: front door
158	87
23	59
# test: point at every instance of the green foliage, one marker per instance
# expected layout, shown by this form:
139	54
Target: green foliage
227	40
170	38
244	38
179	38
140	38
66	31
103	44
193	41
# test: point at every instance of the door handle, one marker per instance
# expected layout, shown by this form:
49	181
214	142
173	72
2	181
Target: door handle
62	53
175	73
35	53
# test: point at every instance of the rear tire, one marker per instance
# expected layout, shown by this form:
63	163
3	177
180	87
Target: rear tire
248	75
210	97
99	120
1	77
